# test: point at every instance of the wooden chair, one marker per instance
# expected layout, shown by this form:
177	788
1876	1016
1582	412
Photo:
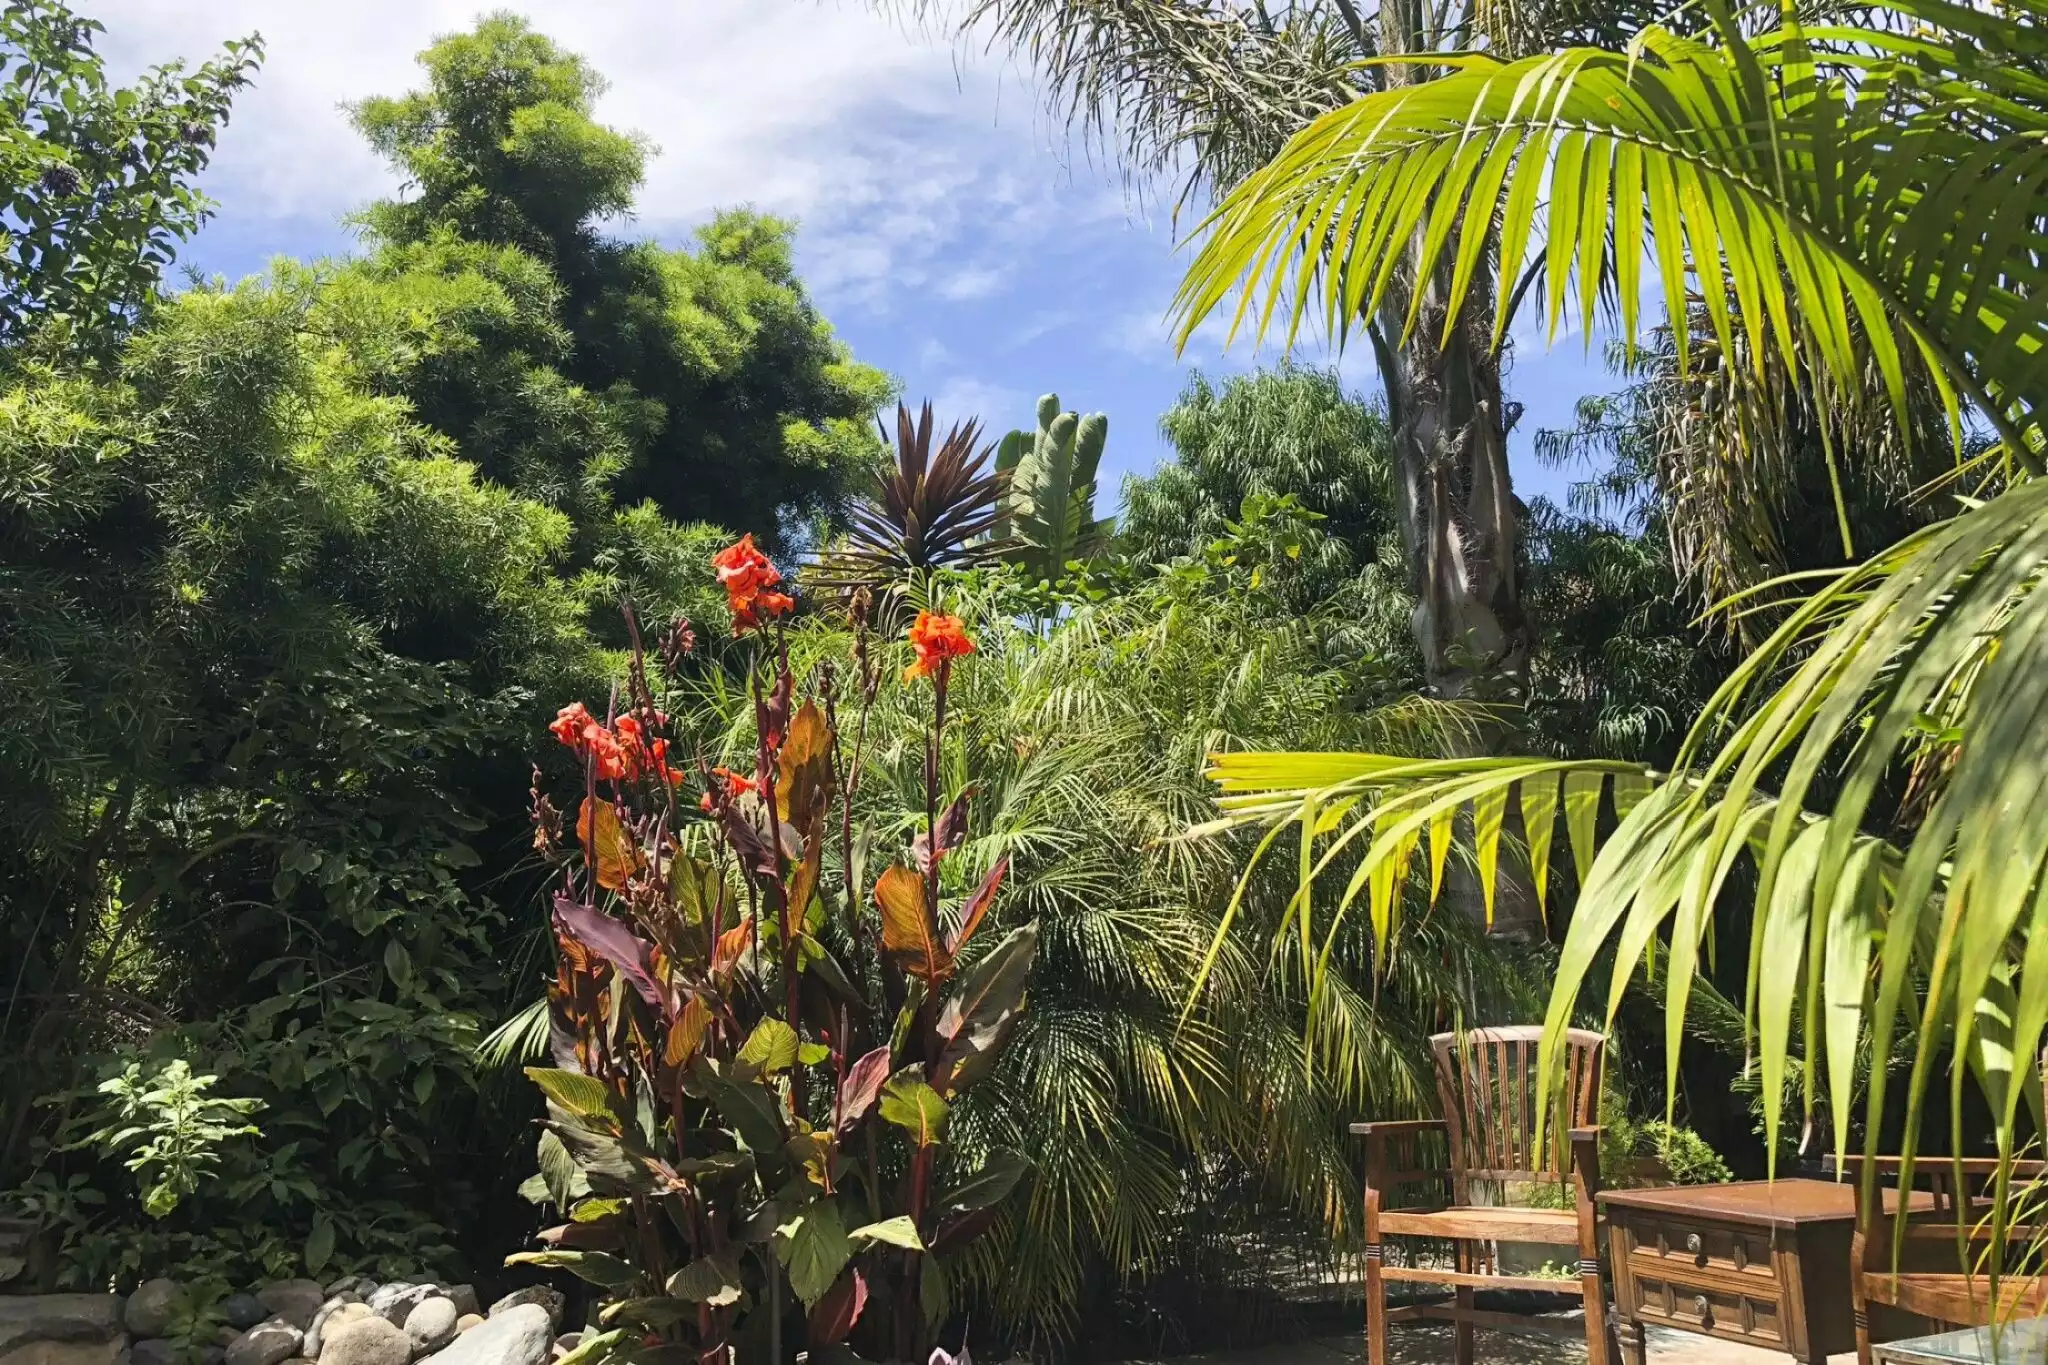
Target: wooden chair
1487	1084
1935	1282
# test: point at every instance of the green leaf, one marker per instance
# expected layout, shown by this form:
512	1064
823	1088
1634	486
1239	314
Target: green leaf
983	1005
750	1108
594	1348
711	1280
583	1096
988	1184
898	1231
811	1054
398	964
770	1048
815	1248
319	1244
559	1174
595	1267
911	1104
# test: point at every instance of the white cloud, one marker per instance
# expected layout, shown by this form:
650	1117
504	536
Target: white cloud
962	397
974	282
911	170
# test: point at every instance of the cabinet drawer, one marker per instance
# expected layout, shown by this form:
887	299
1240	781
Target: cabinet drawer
1702	1246
1697	1307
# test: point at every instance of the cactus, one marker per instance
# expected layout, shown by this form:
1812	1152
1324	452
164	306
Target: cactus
1048	508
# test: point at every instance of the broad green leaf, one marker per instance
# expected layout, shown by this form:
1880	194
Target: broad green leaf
988	1184
595	1267
898	1231
595	1348
912	1105
584	1096
770	1048
711	1280
319	1244
814	1247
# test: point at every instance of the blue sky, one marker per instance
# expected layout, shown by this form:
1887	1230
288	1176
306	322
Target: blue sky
952	234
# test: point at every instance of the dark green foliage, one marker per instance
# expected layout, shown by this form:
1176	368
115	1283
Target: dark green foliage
96	179
1289	430
285	585
244	817
720	392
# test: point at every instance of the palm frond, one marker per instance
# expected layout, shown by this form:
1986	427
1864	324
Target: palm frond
1743	169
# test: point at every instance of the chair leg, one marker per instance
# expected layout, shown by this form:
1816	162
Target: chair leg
1859	1307
1375	1285
1461	1330
1601	1346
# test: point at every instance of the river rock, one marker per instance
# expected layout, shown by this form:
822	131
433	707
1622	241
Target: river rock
366	1340
358	1285
547	1297
337	1310
431	1325
296	1301
149	1308
154	1351
213	1355
566	1343
394	1302
243	1311
224	1337
61	1329
267	1343
464	1298
515	1334
469	1320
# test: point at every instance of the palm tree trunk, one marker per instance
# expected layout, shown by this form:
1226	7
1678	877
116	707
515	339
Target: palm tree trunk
1460	532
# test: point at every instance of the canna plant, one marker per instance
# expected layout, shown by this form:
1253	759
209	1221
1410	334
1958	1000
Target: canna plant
747	1113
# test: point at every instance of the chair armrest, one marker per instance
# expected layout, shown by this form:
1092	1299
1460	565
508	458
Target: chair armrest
1398	1128
1585	1143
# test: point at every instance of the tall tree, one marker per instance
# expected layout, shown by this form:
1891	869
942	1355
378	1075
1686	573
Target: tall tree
1213	89
100	180
1290	431
728	395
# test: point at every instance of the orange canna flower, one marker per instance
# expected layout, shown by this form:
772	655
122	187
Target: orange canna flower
570	722
748	578
936	638
736	786
619	756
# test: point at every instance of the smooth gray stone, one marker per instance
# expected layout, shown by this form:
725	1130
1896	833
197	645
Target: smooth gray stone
520	1335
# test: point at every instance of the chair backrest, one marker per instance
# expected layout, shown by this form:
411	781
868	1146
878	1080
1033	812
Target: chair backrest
1487	1082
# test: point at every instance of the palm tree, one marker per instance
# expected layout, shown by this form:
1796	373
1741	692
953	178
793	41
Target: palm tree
1849	200
1211	89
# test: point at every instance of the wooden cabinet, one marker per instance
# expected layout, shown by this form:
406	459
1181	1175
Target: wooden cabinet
1766	1264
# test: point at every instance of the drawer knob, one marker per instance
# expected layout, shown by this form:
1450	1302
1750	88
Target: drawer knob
1692	1244
1703	1308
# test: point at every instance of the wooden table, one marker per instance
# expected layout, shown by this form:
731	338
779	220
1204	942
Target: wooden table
1760	1263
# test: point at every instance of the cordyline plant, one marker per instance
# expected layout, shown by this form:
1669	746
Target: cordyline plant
753	1071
